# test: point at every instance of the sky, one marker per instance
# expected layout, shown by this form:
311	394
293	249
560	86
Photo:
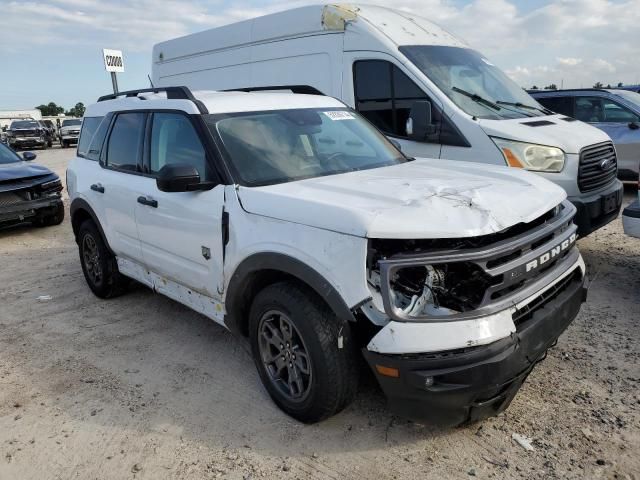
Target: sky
52	50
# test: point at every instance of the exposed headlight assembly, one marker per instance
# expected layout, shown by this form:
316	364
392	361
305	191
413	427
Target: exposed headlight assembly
537	158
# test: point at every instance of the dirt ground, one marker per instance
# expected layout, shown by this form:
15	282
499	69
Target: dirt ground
142	387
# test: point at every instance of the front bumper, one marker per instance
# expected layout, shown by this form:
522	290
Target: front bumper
598	209
27	142
69	138
27	210
453	387
631	219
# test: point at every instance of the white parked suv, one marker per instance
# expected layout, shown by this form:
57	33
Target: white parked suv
291	220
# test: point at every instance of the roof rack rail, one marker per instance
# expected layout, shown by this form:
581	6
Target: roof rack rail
173	93
303	89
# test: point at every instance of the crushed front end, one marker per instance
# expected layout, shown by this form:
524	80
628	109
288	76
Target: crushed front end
29	199
462	322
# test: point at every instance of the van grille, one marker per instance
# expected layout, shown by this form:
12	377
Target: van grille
598	166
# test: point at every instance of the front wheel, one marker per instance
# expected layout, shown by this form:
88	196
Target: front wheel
304	353
99	265
51	219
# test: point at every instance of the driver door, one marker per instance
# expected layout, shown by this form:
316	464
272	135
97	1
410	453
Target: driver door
181	232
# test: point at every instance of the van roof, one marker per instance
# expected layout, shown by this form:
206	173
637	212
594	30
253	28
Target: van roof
400	27
215	102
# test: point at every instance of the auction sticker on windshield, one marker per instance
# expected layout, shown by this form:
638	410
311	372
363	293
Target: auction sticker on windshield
339	115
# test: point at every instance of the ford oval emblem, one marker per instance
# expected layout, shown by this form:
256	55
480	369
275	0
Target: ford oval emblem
605	164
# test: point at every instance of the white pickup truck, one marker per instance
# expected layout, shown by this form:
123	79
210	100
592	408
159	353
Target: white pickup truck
293	221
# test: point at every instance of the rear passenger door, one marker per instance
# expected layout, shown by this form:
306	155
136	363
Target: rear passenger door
181	232
120	182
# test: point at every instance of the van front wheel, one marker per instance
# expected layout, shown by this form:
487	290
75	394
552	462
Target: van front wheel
304	354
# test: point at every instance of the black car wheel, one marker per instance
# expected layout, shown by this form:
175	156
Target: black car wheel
304	354
49	219
99	265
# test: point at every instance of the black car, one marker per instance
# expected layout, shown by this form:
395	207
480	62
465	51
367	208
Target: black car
28	192
29	133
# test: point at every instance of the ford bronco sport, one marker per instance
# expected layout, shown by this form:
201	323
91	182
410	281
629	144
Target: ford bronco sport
291	220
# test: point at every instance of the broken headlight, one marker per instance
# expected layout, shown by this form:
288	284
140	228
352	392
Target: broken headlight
433	291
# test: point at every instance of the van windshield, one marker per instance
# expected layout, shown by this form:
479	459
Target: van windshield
266	148
472	82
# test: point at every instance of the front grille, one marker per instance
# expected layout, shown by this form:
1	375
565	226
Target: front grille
9	199
526	313
598	166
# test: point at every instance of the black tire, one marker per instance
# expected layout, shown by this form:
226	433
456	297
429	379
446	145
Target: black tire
332	363
99	265
51	219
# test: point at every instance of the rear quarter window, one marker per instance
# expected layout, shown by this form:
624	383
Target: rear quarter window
92	136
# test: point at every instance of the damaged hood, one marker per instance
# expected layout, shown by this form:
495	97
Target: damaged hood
20	174
570	136
425	198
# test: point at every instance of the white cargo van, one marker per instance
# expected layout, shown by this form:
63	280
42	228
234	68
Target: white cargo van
416	82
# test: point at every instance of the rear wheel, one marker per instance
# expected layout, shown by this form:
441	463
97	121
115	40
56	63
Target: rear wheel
99	265
304	354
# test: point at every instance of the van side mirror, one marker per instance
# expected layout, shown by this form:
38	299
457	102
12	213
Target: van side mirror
634	126
420	126
180	177
29	156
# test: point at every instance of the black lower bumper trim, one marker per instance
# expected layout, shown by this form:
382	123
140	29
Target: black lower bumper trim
597	210
452	388
27	210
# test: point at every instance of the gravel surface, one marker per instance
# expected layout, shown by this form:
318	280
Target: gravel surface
142	387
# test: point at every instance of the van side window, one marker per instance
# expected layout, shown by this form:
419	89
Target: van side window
561	105
384	95
125	141
89	144
175	140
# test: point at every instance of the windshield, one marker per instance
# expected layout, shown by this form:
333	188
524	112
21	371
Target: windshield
7	155
68	123
472	82
24	124
280	146
629	96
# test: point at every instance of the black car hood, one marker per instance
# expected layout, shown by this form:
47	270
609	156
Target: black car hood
22	174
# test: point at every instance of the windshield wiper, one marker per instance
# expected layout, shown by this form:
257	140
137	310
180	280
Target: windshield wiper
546	111
477	98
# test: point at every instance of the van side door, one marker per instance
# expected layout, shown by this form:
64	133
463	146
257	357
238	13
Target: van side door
383	92
181	232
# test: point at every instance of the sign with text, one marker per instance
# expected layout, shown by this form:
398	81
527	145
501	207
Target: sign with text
113	61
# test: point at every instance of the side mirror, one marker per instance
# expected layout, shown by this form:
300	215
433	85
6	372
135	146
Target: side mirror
180	177
419	124
29	156
634	126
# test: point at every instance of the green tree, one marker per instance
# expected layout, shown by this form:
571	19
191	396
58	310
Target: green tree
598	85
620	84
77	111
553	86
535	87
50	110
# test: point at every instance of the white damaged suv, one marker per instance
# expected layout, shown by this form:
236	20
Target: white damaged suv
291	220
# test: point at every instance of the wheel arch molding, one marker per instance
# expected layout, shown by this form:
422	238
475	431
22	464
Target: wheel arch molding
262	269
80	210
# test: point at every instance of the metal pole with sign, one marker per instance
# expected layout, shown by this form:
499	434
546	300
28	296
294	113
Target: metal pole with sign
113	63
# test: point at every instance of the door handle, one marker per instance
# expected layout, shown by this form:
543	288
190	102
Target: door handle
150	202
97	187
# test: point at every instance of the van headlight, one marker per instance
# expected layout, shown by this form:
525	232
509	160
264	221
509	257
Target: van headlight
537	158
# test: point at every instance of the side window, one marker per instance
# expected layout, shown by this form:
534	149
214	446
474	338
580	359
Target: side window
175	140
384	95
561	105
616	113
125	141
89	127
